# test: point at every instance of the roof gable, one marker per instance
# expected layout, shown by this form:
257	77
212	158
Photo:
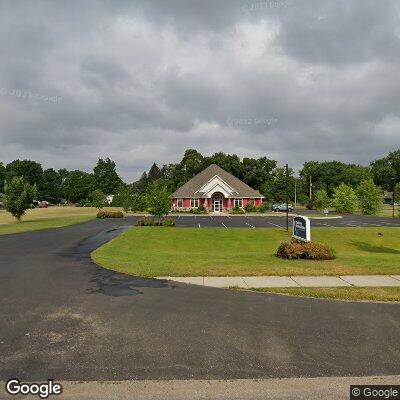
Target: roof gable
209	176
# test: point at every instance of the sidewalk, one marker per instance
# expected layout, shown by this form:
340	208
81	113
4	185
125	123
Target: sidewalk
289	281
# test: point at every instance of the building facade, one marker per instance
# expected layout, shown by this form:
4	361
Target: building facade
216	190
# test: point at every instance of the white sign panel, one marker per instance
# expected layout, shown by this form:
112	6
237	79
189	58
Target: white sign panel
302	228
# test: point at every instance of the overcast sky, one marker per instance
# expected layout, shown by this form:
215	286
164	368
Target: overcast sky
141	81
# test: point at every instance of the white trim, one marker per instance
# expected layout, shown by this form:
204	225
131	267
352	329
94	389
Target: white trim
216	176
195	200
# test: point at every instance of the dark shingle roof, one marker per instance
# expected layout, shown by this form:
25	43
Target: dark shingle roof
194	184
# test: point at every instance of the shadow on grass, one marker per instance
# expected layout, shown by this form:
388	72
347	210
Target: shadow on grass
370	248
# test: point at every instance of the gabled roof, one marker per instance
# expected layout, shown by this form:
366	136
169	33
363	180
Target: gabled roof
191	188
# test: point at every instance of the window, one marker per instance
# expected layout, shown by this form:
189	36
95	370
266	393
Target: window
238	202
180	203
194	203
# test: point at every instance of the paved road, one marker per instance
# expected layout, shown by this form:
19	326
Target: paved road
65	318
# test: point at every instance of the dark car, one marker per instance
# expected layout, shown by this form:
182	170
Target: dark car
282	207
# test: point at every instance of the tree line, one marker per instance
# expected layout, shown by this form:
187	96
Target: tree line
262	174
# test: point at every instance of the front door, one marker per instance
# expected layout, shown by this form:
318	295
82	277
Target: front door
217	204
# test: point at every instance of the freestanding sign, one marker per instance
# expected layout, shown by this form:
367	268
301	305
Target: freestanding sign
302	228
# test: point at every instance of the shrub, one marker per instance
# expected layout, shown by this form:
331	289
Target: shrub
310	205
345	199
168	222
304	250
102	214
263	208
237	210
198	210
250	207
370	197
321	199
145	221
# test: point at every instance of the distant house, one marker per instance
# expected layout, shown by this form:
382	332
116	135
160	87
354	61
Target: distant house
216	190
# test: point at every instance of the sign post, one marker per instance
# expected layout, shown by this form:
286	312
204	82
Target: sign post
302	228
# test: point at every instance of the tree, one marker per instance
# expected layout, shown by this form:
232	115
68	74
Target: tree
78	186
124	197
105	176
397	193
384	169
98	199
154	173
370	197
276	190
191	164
141	185
51	185
328	175
18	196
31	171
158	199
2	177
345	199
257	172
321	200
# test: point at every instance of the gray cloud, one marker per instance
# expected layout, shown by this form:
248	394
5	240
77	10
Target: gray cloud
141	81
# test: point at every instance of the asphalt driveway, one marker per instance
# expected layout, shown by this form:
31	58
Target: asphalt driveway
63	317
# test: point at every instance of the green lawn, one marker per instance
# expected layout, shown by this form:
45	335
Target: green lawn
43	218
155	251
342	293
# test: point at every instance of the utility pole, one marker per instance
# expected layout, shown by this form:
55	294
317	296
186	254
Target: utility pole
394	196
287	196
310	188
295	193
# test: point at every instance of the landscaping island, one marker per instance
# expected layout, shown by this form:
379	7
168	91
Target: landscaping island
158	251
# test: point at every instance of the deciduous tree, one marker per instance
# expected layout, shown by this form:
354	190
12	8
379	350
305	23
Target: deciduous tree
345	199
370	197
18	196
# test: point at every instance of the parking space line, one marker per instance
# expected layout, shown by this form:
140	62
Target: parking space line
224	225
279	226
199	225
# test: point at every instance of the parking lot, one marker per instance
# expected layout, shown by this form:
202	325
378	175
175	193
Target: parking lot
279	221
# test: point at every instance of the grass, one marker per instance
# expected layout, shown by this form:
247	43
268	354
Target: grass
44	218
154	251
341	293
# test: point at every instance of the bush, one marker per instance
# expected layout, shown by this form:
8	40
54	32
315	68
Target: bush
321	199
168	222
370	197
237	210
345	199
102	214
198	210
250	207
304	250
263	208
145	221
310	205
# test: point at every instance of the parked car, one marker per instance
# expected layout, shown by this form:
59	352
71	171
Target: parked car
43	204
282	207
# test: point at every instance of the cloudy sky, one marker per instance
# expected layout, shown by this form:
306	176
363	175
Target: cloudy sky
141	81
